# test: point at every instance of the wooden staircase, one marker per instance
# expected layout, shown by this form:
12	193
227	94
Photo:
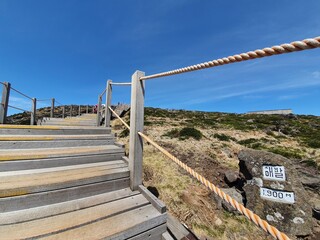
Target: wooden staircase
71	182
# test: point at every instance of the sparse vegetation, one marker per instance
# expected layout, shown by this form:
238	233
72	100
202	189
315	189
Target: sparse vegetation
223	137
124	133
286	152
184	133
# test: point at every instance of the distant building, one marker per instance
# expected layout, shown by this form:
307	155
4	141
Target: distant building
279	111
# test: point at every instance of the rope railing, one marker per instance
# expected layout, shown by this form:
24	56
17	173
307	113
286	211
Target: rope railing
5	103
121	84
305	44
18	108
236	205
124	123
59	103
104	91
21	93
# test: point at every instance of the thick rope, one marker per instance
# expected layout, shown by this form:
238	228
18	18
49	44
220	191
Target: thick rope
21	93
124	123
242	209
18	108
309	43
121	84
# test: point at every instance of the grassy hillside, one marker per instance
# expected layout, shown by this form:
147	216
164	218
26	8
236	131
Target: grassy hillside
209	143
24	118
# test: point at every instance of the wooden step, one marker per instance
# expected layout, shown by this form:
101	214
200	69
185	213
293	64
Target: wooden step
119	219
45	153
32	181
52	143
58	161
33	200
8	129
39	212
54	137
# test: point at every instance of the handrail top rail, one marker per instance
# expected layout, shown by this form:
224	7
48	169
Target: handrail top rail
305	44
17	108
121	83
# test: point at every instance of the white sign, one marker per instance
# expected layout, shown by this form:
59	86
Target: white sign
274	173
277	196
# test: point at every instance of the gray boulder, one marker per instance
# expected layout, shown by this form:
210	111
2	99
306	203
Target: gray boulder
231	177
222	204
293	219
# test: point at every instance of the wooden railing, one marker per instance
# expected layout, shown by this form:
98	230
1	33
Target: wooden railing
137	120
6	92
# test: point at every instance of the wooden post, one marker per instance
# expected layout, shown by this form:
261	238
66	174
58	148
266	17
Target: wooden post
33	112
4	102
52	108
136	125
63	111
79	110
87	109
98	110
71	110
107	117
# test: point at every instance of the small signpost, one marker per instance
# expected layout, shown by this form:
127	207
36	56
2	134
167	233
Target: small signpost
275	173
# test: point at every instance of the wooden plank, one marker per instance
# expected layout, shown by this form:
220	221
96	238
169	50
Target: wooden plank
61	195
118	227
126	159
152	234
58	223
178	230
63	206
107	118
167	236
136	125
86	166
34	185
158	204
34	179
23	154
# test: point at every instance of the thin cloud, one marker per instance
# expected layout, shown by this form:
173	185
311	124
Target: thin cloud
279	87
316	74
290	97
23	103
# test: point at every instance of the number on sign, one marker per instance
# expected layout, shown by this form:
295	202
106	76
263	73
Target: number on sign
277	196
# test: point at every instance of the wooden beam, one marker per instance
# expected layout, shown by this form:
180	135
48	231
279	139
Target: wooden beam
136	125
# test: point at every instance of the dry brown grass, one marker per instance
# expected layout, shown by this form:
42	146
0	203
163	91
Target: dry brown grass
184	197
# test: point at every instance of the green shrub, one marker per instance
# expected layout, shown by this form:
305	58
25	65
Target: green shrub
253	143
188	132
184	133
247	142
313	143
293	154
223	137
174	133
310	163
124	133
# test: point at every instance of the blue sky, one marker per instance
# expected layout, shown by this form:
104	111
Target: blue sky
67	49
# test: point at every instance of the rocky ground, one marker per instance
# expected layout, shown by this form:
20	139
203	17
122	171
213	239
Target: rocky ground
217	145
